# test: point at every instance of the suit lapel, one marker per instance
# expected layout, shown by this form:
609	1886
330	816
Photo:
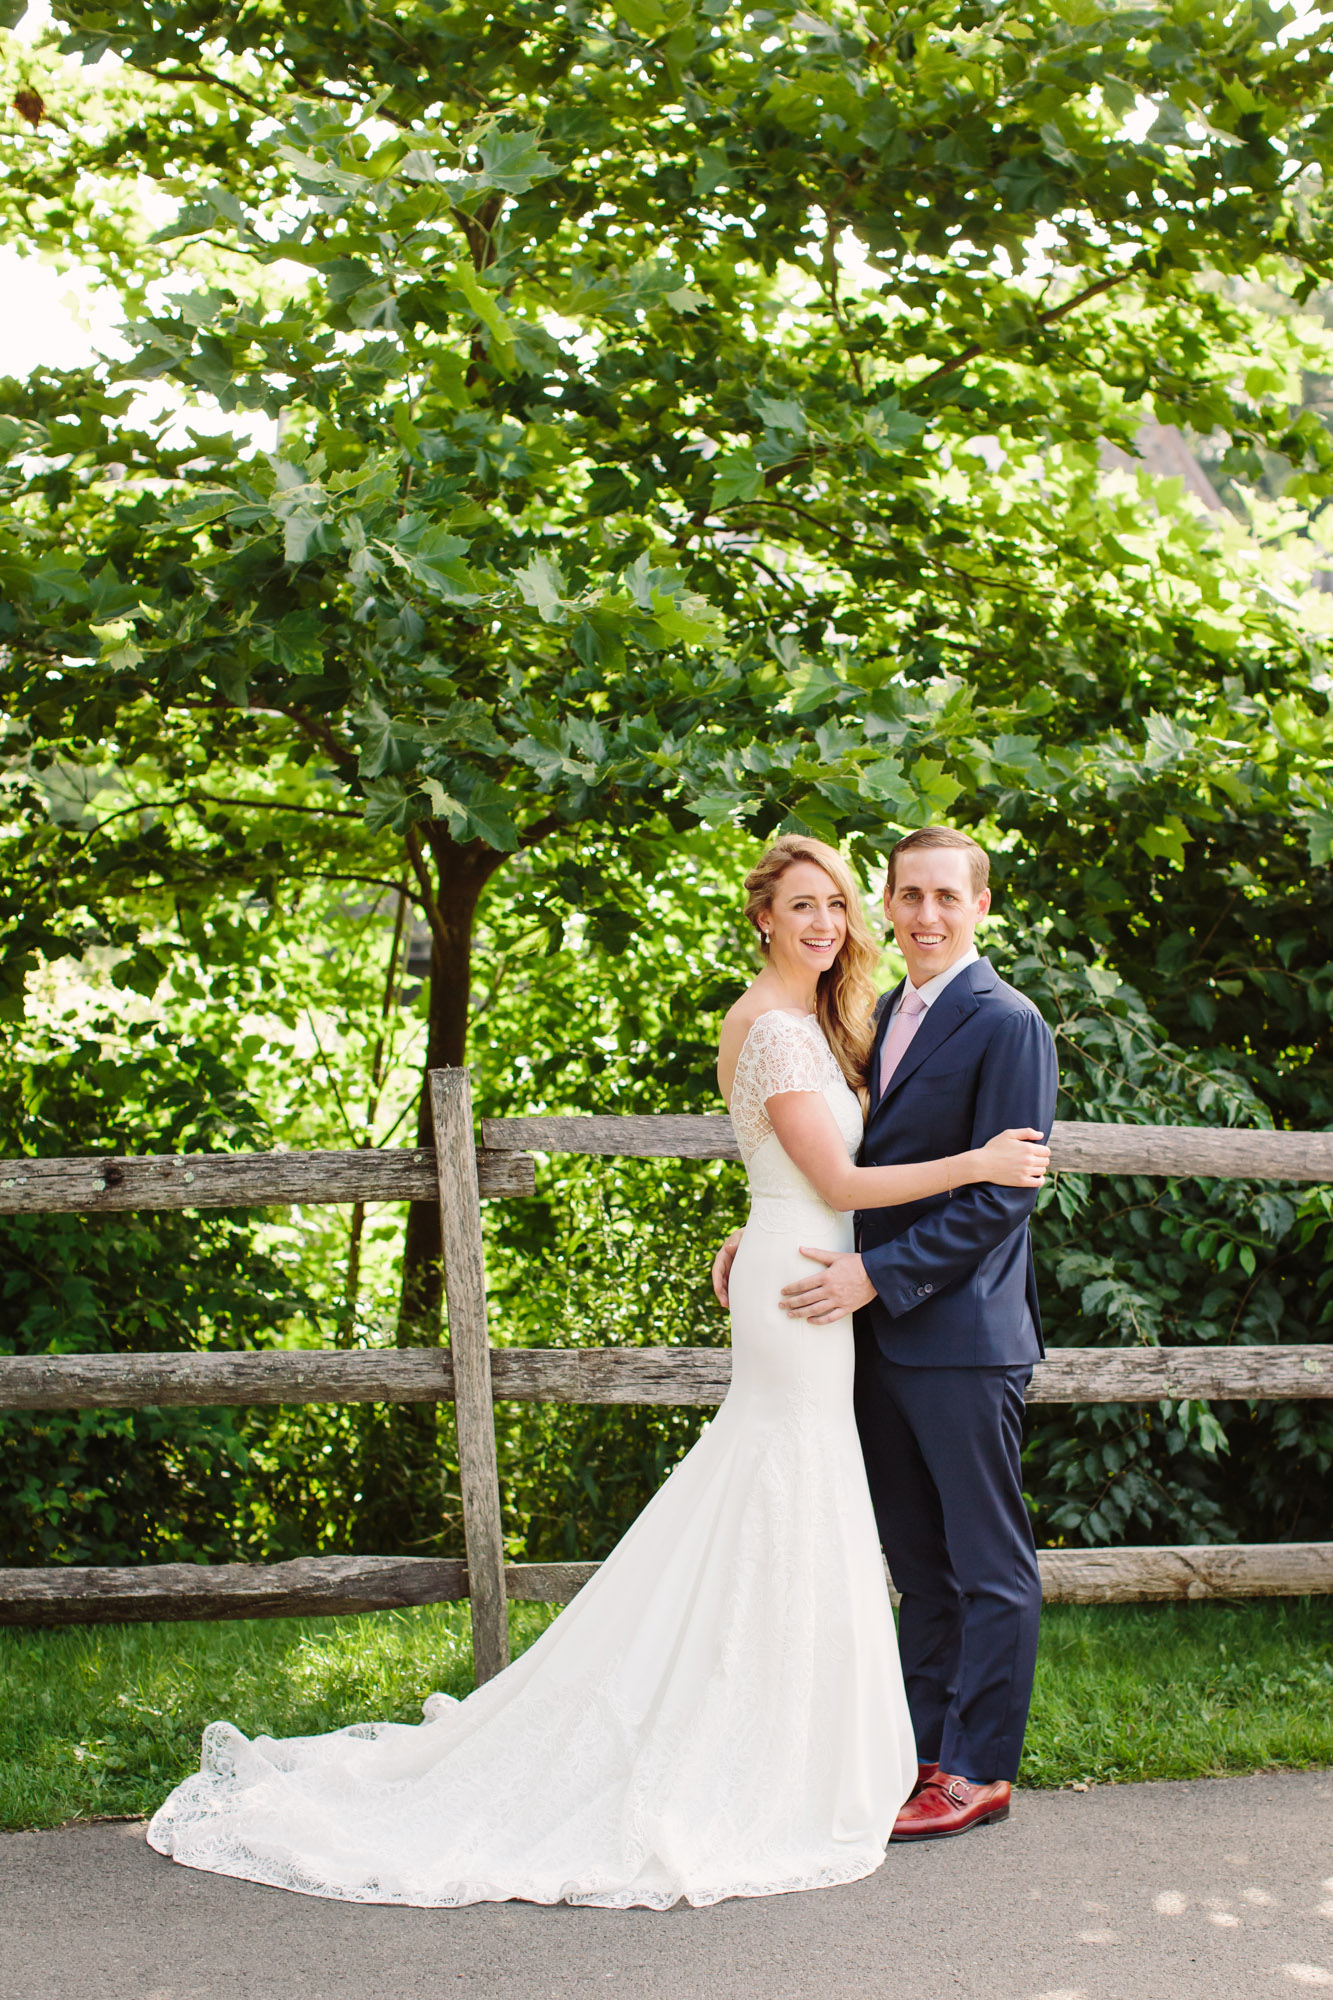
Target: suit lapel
954	1006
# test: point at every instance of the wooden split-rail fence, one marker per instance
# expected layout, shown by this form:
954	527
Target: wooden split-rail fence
461	1174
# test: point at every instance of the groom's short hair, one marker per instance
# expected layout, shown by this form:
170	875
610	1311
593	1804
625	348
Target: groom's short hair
943	836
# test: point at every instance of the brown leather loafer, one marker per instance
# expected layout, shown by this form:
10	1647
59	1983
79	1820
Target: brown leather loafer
946	1805
924	1774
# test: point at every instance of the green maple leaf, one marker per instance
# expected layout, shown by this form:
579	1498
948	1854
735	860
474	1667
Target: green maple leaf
513	161
738	477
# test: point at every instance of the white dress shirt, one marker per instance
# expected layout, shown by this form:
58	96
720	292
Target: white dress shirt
931	990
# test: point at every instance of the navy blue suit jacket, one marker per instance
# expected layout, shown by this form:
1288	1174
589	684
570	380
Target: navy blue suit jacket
954	1274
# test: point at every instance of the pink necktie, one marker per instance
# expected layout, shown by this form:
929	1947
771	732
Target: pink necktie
905	1024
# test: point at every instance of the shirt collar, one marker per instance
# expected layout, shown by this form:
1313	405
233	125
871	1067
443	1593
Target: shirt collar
931	990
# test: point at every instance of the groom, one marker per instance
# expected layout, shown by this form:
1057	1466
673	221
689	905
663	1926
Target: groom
947	1331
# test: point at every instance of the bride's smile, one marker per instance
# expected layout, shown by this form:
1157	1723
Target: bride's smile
802	931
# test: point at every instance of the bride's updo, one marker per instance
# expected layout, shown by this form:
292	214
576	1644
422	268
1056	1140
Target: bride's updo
846	992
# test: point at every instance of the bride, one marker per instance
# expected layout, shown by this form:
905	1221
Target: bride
720	1712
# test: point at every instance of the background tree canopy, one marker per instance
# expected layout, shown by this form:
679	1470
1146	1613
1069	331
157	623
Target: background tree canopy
552	449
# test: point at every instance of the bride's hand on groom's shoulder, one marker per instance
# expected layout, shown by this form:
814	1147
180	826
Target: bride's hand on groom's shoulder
722	1264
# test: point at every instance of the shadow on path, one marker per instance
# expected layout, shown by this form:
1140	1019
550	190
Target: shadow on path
1215	1890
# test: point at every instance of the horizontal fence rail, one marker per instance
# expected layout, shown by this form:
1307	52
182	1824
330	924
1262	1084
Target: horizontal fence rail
243	1180
322	1586
310	1586
604	1375
474	1375
1209	1152
103	1183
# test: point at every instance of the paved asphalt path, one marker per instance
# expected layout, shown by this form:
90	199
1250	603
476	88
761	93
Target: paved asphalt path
1216	1890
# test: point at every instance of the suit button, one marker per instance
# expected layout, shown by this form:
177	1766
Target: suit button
927	1288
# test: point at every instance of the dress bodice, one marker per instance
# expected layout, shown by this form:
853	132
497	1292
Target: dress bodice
785	1051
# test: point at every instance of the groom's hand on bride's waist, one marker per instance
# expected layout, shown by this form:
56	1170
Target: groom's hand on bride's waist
838	1289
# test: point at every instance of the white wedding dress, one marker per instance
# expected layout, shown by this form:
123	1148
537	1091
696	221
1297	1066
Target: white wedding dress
719	1712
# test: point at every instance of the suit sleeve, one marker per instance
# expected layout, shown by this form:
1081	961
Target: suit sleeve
1017	1087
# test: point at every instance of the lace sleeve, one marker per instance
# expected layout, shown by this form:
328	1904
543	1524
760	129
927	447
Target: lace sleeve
781	1053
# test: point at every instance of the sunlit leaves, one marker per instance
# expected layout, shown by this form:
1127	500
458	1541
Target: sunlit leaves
476	809
512	161
543	587
712	430
487	310
1318	822
1166	842
738	477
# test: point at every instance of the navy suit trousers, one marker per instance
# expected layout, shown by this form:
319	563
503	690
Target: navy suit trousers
942	1450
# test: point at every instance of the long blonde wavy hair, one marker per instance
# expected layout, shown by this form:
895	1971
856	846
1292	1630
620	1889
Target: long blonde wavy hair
846	992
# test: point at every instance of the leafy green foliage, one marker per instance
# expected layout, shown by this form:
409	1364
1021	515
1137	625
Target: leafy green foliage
1134	1261
579	470
128	1485
651	427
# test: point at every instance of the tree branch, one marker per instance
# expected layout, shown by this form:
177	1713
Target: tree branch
479	228
203	76
307	84
828	284
350	875
794	507
333	1081
319	732
538	830
786	583
214	799
272	805
1043	320
438	929
1223	914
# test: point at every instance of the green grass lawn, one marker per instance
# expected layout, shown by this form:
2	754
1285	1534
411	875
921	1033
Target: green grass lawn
105	1720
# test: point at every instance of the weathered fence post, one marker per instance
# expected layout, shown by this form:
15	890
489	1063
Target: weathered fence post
465	1292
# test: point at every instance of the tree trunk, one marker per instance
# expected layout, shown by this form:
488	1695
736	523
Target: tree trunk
461	873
